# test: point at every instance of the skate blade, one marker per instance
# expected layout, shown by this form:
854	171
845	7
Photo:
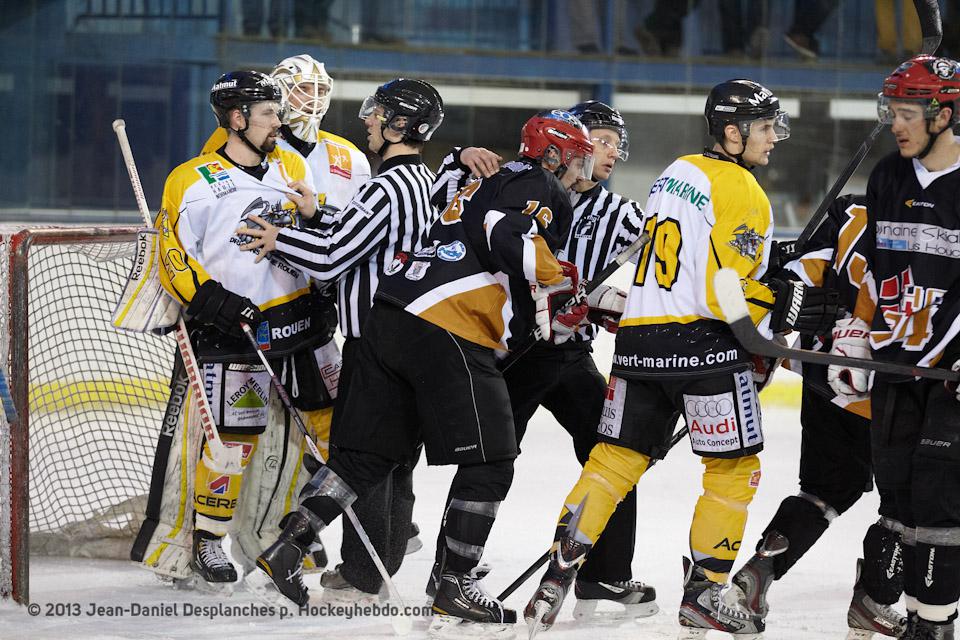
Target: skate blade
859	634
536	623
587	611
700	633
451	627
221	589
352	596
260	585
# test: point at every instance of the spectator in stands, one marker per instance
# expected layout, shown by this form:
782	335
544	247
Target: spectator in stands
808	17
586	17
309	18
894	49
661	32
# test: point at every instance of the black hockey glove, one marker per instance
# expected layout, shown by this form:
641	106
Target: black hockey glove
797	307
212	304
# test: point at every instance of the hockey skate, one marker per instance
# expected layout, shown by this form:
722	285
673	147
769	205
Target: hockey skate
414	543
462	608
336	588
215	572
542	610
709	605
280	567
866	616
638	600
755	577
920	629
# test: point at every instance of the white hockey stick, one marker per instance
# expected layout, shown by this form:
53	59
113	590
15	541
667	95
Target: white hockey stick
226	460
726	284
402	624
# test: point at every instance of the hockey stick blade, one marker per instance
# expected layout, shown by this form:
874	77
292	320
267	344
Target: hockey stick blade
726	284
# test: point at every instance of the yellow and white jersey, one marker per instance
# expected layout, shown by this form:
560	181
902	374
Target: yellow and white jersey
705	213
205	200
338	166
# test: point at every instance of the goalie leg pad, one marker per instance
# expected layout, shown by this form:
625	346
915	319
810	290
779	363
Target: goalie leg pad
720	517
215	494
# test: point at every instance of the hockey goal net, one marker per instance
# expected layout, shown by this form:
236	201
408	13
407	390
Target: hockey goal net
75	464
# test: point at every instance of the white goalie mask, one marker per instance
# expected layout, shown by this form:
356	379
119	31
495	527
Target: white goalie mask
306	87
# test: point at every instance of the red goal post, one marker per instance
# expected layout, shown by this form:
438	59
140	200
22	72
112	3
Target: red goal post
75	468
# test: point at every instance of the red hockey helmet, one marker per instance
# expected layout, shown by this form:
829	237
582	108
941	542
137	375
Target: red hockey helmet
558	138
927	80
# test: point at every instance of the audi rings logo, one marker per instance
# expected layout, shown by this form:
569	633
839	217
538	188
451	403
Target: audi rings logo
709	408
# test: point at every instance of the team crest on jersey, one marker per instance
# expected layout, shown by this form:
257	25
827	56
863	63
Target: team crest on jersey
340	162
417	270
399	259
427	252
586	227
452	252
746	241
217	176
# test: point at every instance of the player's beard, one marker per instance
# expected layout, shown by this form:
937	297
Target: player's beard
269	144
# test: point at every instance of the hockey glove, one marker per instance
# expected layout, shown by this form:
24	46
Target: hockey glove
225	310
797	307
763	367
851	340
953	387
554	324
606	306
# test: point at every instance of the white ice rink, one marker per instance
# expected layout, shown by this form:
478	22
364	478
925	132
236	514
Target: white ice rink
809	603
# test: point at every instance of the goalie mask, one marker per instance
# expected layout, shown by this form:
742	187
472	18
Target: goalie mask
306	88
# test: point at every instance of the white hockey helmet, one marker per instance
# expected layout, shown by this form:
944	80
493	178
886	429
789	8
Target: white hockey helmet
306	87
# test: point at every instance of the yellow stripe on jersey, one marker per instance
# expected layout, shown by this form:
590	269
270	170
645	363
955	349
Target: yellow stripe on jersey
181	275
292	163
276	302
641	322
457	313
548	270
216	140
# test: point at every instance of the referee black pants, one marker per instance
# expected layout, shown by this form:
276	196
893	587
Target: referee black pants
564	380
385	512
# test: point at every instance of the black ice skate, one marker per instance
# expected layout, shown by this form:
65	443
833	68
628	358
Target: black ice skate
209	559
542	610
920	629
280	567
755	577
463	608
709	605
866	616
638	599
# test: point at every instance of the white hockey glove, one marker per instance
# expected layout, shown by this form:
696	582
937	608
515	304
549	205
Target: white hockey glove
851	340
606	306
549	299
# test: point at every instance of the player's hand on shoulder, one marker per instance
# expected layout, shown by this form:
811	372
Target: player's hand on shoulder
306	201
482	162
262	237
851	338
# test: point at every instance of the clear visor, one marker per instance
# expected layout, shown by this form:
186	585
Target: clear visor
776	128
581	164
263	110
623	149
371	107
886	111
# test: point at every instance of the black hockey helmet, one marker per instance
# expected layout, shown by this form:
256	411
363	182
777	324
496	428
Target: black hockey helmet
740	102
597	115
411	107
240	89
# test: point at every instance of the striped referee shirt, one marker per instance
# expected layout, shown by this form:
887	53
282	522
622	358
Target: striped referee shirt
390	213
604	224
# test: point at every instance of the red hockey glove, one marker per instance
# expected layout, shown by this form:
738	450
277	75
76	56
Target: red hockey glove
549	299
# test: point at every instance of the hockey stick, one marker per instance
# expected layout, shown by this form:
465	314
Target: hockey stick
539	562
584	290
226	460
726	284
402	624
932	29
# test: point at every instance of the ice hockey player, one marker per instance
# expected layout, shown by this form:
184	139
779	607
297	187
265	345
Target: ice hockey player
355	248
674	355
338	169
913	228
204	200
563	377
485	274
835	461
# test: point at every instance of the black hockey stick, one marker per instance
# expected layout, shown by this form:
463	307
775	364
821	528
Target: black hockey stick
401	622
585	289
542	560
932	29
729	293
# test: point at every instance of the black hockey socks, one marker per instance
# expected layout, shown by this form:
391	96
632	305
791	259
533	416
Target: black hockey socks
802	520
476	494
882	575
